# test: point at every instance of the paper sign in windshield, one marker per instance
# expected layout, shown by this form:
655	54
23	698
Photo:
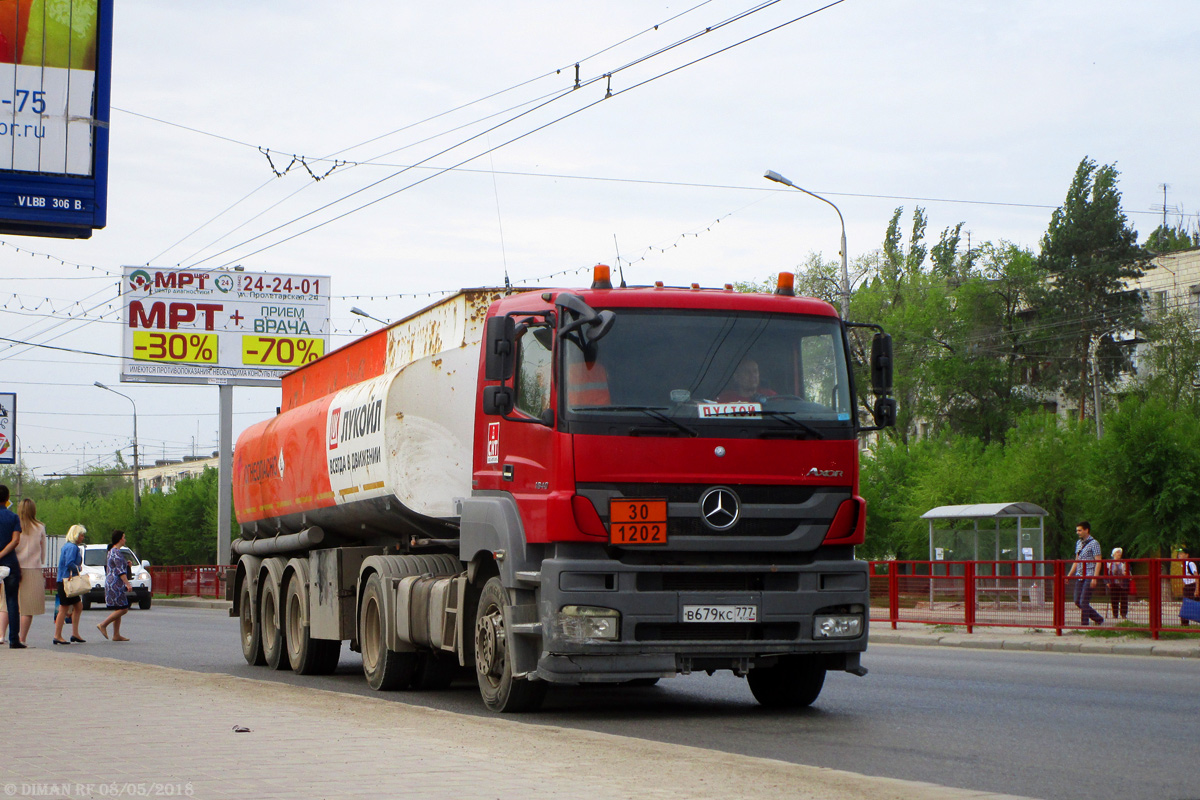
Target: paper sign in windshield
730	410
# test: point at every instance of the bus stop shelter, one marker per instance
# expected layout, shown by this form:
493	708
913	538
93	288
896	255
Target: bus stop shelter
1013	532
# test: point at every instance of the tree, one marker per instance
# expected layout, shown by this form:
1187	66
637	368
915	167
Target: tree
1088	253
1166	239
1173	360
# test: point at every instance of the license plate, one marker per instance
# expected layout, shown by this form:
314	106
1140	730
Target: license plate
637	521
720	614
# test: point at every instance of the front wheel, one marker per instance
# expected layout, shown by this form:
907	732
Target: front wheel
144	603
794	682
493	664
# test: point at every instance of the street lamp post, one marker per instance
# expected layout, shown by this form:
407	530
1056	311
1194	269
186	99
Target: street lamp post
137	503
775	176
361	313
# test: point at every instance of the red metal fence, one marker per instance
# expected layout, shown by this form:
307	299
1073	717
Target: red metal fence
197	580
1025	594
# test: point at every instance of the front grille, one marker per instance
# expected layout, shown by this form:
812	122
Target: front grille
746	526
717	582
690	492
716	632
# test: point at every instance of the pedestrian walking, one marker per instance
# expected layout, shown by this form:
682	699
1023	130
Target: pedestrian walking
1118	584
1190	574
10	537
116	588
1086	569
70	559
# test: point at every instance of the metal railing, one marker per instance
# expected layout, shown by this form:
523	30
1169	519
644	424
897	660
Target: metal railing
1026	594
193	580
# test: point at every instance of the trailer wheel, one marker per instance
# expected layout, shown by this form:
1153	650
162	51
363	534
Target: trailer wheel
308	656
493	667
794	682
385	669
251	635
269	623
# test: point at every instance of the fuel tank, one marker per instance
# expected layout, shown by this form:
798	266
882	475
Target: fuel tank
373	441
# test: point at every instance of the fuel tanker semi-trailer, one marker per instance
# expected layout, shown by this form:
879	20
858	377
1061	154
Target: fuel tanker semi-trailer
566	486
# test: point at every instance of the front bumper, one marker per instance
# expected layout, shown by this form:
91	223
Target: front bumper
654	640
139	593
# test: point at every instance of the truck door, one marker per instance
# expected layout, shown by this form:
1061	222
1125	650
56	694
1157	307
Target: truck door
526	447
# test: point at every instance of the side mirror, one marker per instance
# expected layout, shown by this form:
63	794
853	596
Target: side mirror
594	325
885	412
146	564
498	400
501	349
881	364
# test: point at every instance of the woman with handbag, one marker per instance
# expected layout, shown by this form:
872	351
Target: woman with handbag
70	559
31	552
116	588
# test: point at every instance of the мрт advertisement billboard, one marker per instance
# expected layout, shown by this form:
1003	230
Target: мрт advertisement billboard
236	328
55	75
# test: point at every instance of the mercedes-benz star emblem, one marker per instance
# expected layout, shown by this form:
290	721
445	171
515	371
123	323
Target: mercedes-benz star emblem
719	508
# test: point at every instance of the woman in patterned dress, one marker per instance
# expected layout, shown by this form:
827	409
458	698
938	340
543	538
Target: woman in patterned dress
116	584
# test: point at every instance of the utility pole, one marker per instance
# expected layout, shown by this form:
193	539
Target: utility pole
1095	348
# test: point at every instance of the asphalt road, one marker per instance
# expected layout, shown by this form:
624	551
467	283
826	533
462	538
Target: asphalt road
1047	725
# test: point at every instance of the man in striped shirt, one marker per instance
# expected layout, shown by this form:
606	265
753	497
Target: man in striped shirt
1087	568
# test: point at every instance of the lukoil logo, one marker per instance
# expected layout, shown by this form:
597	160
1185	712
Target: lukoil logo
335	420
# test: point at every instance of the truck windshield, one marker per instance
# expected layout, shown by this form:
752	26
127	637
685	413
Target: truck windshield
693	368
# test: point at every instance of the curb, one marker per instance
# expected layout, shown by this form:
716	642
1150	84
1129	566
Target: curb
1055	645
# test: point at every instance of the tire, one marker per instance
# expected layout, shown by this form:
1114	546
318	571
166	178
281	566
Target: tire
384	669
87	604
794	682
144	603
493	668
251	636
306	655
435	671
642	683
270	623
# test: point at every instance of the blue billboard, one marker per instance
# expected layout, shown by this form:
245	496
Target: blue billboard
55	83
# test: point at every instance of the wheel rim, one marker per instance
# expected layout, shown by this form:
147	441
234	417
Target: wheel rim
270	629
293	623
370	643
247	618
490	645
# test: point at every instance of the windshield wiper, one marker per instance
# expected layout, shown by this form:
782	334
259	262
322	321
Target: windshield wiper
787	417
650	411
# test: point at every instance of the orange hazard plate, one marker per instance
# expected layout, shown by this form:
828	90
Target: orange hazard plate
637	521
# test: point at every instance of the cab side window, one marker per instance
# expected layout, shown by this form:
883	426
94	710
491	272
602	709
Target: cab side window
534	369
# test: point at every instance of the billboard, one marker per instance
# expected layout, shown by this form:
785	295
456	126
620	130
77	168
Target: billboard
8	428
220	327
55	73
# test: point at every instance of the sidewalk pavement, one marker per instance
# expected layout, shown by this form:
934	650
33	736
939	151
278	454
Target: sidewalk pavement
142	730
995	638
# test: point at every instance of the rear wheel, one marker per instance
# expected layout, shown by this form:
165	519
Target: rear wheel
307	656
385	669
251	635
793	682
493	665
269	622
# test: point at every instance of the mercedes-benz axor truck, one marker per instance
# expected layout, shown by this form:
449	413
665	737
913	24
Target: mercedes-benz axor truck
567	486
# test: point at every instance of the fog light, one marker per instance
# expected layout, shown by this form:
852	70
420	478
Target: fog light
581	623
837	626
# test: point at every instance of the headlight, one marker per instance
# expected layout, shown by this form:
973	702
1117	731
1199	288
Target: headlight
837	626
581	623
143	576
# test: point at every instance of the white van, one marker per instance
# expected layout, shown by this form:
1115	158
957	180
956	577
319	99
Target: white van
94	558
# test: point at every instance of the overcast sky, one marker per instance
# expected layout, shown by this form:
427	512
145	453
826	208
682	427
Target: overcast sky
979	112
